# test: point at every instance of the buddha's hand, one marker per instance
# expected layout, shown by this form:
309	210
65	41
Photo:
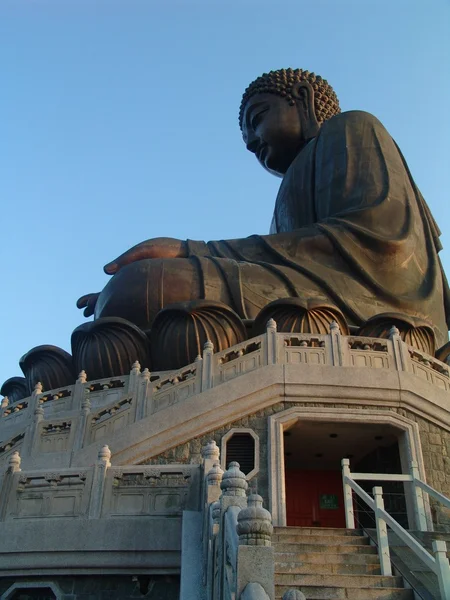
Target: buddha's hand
154	248
88	302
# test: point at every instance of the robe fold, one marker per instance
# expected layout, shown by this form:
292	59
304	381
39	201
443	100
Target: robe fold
349	227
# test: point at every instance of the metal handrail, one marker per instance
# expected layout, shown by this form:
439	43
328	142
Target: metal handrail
438	563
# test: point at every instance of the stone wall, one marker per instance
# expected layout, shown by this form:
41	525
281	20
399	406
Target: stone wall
435	446
125	587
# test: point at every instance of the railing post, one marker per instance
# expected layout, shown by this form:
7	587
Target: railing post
98	482
7	482
198	374
207	371
133	380
337	350
402	359
234	487
271	342
442	568
38	417
82	401
419	505
348	495
255	557
142	391
382	536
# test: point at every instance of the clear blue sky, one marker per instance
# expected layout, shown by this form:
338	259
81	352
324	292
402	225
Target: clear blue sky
118	122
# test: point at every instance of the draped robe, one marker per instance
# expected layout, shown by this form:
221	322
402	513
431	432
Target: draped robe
350	227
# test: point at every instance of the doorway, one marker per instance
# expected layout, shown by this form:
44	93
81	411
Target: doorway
313	451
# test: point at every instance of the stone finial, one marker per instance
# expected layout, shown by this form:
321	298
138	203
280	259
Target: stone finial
271	324
38	389
294	595
334	327
104	454
393	331
5	402
215	512
233	481
215	474
210	450
208	346
14	462
136	367
82	377
255	523
146	374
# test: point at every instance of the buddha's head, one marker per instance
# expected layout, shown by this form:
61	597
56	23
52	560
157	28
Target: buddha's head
281	111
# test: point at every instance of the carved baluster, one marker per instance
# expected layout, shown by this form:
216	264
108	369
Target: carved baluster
7	482
38	417
271	342
198	374
255	563
401	354
207	371
338	354
82	400
98	482
234	487
143	395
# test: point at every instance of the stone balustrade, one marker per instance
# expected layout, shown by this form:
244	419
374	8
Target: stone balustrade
98	491
90	412
237	535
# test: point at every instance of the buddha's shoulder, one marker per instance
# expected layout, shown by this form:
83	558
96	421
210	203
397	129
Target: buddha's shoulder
352	118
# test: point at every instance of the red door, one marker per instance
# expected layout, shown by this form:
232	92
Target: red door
314	499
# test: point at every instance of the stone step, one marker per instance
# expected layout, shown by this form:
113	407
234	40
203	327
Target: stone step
344	581
299	548
343	558
329	540
339	593
298	568
317	531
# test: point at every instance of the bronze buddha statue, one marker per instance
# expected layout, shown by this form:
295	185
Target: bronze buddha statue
351	240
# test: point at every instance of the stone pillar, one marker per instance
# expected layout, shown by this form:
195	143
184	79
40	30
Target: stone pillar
255	562
338	354
38	417
234	487
210	454
401	355
271	342
82	401
7	482
143	391
98	482
134	378
207	370
198	374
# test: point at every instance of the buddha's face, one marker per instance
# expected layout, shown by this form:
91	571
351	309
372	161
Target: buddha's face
272	130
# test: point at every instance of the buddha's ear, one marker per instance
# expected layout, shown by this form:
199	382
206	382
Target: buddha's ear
303	93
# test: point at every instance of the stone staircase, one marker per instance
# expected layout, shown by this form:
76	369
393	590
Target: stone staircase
327	563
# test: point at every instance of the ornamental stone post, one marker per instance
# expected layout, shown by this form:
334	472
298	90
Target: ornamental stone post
255	562
98	482
271	341
255	523
7	482
401	355
234	487
207	369
143	392
210	454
